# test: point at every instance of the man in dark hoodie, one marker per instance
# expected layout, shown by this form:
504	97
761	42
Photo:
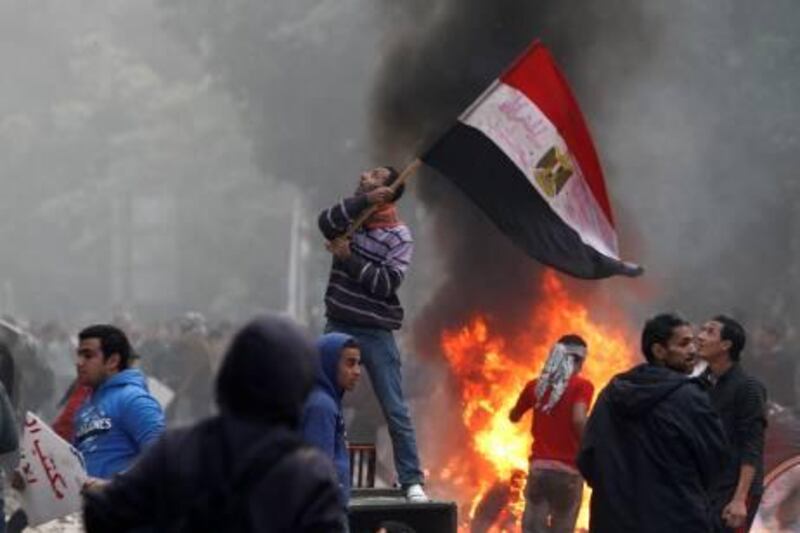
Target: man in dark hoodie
244	470
323	422
653	443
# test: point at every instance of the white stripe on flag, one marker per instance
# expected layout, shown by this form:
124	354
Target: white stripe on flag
517	126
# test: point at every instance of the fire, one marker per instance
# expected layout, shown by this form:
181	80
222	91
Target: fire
491	371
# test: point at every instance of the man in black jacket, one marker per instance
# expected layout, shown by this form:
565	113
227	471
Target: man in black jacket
244	470
653	443
740	401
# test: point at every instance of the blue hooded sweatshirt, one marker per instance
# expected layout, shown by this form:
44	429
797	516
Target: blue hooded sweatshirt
322	422
116	423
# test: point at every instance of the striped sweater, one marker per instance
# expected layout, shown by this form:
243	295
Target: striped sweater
362	290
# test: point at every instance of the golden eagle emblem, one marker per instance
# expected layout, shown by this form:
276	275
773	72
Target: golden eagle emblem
553	170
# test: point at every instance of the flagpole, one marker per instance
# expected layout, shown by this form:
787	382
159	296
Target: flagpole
410	170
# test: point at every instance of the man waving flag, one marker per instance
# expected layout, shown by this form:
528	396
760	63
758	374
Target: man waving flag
523	153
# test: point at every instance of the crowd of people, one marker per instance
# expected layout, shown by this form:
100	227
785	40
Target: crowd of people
674	444
253	437
37	361
253	417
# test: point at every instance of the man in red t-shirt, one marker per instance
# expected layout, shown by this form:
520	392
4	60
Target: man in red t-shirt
560	399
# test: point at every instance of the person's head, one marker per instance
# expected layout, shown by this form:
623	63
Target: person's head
385	176
576	348
219	338
563	362
51	331
668	340
103	350
267	372
349	371
340	356
768	339
193	323
123	320
721	339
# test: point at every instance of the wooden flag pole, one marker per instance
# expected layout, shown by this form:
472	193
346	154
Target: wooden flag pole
407	173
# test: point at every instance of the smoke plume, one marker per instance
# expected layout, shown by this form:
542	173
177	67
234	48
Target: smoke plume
690	111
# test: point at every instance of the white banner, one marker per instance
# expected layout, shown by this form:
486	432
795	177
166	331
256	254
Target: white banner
53	471
160	392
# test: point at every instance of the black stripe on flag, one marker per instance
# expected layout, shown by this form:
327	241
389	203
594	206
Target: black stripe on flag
495	184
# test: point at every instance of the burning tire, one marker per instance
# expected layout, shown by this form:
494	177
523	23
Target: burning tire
780	506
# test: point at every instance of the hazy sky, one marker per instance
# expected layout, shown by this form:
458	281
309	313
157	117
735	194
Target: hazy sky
145	144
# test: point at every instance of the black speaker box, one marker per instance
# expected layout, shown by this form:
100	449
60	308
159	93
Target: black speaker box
366	513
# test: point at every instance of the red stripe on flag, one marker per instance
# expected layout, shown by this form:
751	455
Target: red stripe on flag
539	78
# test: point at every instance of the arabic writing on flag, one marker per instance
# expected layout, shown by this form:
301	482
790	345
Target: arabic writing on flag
523	153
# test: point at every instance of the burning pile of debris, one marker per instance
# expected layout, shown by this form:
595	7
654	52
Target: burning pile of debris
489	370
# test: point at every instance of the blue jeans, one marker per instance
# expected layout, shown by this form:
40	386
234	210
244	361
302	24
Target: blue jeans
380	356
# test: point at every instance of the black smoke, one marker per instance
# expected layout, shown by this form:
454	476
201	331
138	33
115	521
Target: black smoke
441	58
691	108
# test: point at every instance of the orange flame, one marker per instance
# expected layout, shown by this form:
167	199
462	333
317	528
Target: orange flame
491	371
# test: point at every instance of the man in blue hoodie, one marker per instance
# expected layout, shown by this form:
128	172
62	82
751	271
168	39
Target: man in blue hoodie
323	423
242	470
121	417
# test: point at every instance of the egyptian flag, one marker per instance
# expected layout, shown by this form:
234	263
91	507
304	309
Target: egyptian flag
523	153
